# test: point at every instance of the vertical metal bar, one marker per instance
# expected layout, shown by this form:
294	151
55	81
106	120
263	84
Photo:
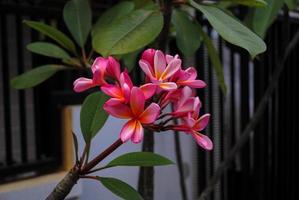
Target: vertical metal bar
231	123
274	181
259	88
269	139
244	112
36	98
209	109
201	155
221	106
6	92
21	93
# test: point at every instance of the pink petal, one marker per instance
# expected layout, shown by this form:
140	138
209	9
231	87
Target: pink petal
186	107
186	93
168	86
137	101
203	140
193	83
159	63
117	110
192	73
138	133
168	58
99	63
148	55
112	91
126	92
128	130
180	128
99	76
148	90
146	68
114	102
82	84
189	121
202	122
150	114
171	69
113	68
125	79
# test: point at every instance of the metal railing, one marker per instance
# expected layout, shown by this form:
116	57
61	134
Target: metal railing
265	167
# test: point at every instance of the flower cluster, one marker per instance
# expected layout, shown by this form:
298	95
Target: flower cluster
166	83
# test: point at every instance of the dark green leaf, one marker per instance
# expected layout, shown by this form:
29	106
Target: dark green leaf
262	18
35	76
130	59
111	15
260	3
143	3
120	188
77	16
187	33
92	115
214	57
292	4
53	33
48	49
144	159
129	33
75	146
72	61
232	30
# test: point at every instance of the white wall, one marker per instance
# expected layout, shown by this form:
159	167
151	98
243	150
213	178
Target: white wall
166	177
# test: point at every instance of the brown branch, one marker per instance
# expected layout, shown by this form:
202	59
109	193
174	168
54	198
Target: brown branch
64	187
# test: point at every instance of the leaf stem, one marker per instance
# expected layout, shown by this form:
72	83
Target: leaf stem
88	177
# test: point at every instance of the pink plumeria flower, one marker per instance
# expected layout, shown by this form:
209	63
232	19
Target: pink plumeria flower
160	72
185	106
194	127
188	78
136	114
175	96
121	92
100	68
149	55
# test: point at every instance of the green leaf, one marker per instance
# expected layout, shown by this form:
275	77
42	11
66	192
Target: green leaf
53	33
144	159
187	33
48	49
214	57
130	59
262	18
77	17
120	188
143	3
257	3
92	115
72	61
75	140
35	76
232	30
292	4
129	33
111	15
